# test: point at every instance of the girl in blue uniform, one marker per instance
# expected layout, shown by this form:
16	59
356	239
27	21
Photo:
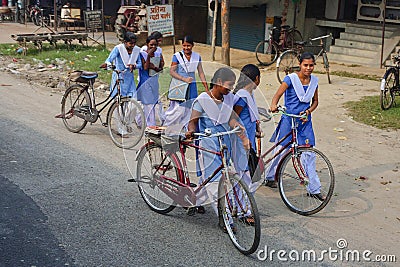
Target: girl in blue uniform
126	58
184	65
213	110
148	87
301	96
246	108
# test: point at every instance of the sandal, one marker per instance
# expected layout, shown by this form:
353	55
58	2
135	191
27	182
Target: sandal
201	209
249	220
233	227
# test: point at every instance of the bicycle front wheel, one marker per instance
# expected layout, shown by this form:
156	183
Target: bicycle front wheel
238	214
326	66
266	52
389	83
126	123
152	163
287	63
303	175
74	105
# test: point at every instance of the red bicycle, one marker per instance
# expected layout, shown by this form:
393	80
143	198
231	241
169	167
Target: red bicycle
164	183
300	169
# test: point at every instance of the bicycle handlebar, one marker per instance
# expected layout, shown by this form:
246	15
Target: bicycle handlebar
321	37
209	135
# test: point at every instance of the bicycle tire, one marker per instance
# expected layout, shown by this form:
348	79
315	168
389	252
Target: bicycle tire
148	161
235	202
293	192
126	123
74	98
266	52
326	66
389	83
287	63
293	37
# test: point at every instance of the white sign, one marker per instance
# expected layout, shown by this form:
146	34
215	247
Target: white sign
160	18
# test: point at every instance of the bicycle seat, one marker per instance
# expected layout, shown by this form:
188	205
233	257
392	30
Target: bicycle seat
285	27
89	75
300	42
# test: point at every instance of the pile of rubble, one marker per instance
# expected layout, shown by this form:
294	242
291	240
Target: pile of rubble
53	74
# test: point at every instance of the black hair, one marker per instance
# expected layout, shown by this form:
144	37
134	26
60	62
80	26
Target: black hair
307	55
248	75
225	74
129	36
188	39
156	34
149	38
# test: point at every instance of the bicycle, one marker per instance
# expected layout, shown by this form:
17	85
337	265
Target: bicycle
288	61
390	86
293	175
267	51
163	181
125	118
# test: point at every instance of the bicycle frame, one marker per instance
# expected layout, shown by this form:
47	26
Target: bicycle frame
95	114
293	150
182	191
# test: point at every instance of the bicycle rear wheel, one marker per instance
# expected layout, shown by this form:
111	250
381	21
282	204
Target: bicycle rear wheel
74	104
126	123
288	62
236	205
318	176
266	52
389	83
293	37
152	162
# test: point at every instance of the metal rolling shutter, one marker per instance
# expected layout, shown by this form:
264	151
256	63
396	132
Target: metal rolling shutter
246	27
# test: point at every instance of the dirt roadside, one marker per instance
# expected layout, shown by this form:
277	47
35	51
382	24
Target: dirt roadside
365	207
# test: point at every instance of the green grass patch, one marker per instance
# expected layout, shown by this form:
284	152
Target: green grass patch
368	111
356	75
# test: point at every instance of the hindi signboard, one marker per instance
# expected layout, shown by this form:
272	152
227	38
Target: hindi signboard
160	18
93	20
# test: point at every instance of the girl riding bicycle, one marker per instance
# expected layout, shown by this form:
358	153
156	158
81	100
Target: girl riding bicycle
300	91
212	111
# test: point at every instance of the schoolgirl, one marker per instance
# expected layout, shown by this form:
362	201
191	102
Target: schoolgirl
148	87
184	65
300	91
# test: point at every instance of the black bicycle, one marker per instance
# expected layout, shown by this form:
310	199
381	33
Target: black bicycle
125	118
390	86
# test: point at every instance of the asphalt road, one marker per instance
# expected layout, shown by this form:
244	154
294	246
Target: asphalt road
65	199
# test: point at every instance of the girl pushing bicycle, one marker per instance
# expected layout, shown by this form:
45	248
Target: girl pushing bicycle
126	58
212	111
246	108
300	90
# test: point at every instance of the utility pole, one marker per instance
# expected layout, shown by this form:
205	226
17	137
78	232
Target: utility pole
214	30
225	6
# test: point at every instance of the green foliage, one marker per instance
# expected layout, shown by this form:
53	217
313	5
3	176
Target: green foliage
368	111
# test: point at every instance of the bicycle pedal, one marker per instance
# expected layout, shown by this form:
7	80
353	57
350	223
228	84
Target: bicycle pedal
132	180
193	185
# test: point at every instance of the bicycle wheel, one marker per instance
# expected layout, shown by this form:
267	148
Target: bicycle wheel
74	105
293	37
266	52
326	66
288	62
152	162
126	123
389	83
235	205
313	165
